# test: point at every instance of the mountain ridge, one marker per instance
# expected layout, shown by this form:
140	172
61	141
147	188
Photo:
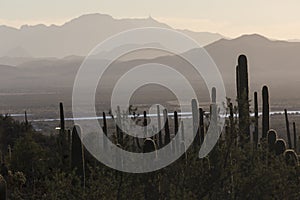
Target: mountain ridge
78	36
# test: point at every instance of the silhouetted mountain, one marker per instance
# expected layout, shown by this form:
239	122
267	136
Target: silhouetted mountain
275	63
76	37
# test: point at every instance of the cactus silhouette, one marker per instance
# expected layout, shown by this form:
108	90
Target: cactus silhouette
201	124
255	133
3	188
77	154
272	137
230	136
182	144
119	127
214	95
291	158
295	136
149	145
182	131
104	131
279	147
62	140
195	116
167	130
176	127
243	97
265	111
160	143
145	123
288	129
62	117
176	122
214	110
26	120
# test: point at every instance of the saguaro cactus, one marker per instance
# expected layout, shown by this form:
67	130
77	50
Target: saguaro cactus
26	120
291	157
3	188
243	97
214	110
167	130
119	126
77	154
288	129
104	131
265	111
182	145
295	136
201	124
272	137
255	133
149	145
279	146
145	123
62	117
160	144
176	122
195	121
214	95
62	139
176	126
230	138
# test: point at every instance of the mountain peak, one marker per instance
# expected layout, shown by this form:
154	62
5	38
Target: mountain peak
254	36
90	18
37	26
245	39
78	36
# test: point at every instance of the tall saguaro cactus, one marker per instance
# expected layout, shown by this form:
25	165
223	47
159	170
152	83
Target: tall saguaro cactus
201	124
271	138
195	116
295	136
265	111
279	147
243	97
119	127
77	156
176	127
104	131
214	109
62	139
167	129
62	117
182	143
288	129
26	120
255	134
145	124
160	144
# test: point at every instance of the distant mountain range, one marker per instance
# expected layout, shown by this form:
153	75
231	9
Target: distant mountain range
275	63
45	59
76	37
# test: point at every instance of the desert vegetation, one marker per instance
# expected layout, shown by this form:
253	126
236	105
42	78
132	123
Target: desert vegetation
245	164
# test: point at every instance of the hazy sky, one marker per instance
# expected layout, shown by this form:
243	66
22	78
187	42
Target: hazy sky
273	18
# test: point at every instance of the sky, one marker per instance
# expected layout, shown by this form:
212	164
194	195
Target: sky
275	19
